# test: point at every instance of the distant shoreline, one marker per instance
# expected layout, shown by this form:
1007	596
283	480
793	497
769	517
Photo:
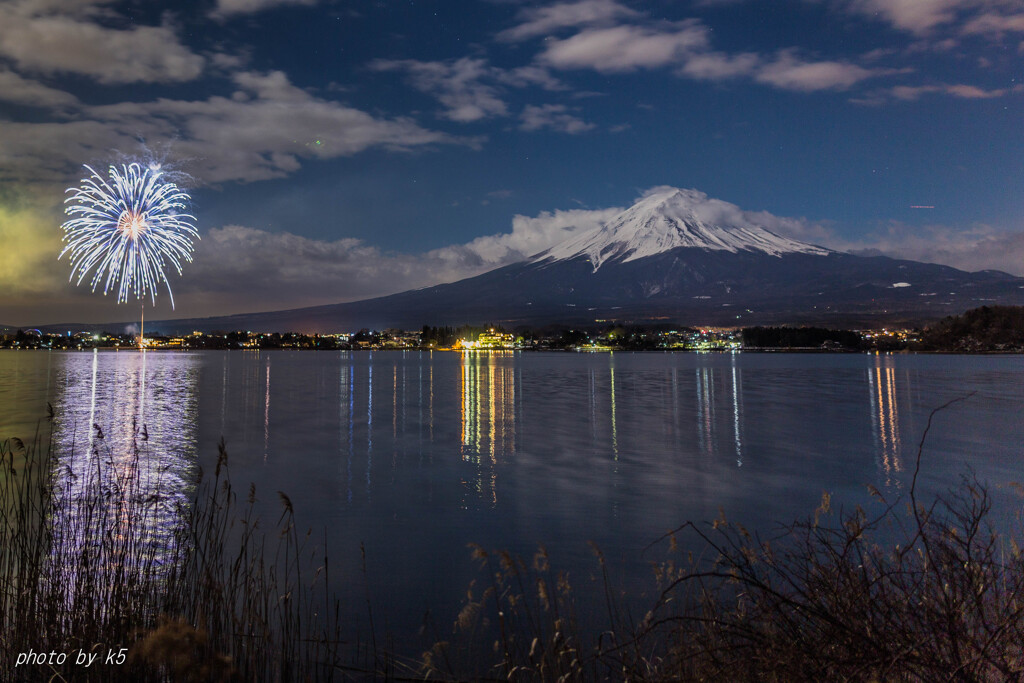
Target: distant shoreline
793	351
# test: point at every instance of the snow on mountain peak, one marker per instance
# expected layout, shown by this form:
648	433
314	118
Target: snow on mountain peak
666	218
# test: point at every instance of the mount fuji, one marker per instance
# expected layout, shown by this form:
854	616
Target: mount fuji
666	219
677	256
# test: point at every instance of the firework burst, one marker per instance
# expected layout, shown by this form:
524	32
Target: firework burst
127	231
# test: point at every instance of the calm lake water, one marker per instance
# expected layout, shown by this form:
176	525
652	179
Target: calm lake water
416	454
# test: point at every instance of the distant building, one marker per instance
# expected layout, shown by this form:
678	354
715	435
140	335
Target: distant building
491	340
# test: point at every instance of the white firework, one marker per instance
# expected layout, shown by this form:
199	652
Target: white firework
127	231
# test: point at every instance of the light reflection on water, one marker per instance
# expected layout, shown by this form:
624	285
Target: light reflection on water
885	414
124	430
737	408
488	416
418	453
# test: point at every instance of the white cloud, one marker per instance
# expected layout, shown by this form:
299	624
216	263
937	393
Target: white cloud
243	265
49	37
457	85
609	37
524	76
14	88
791	73
917	16
236	265
978	248
626	48
910	93
261	132
973	92
539	21
530	235
686	45
717	66
553	116
229	63
226	8
54	151
995	24
927	18
469	88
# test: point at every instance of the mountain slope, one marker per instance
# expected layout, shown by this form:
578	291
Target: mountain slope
675	255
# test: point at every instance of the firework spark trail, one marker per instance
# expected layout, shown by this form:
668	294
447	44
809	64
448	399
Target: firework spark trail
126	230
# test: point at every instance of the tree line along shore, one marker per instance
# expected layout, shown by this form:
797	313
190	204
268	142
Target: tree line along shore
987	329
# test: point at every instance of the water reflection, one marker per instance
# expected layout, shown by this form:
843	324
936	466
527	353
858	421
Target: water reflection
125	436
681	425
346	417
615	421
885	422
716	415
707	436
720	410
266	416
488	417
737	409
369	425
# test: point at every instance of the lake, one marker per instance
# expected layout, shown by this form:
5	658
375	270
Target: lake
412	455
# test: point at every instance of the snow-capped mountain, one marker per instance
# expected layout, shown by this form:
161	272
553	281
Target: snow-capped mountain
675	256
669	218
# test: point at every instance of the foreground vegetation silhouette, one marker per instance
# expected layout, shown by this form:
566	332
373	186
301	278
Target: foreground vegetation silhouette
915	591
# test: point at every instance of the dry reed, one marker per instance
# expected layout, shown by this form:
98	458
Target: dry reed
86	569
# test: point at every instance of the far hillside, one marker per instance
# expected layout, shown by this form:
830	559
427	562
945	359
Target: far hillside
800	337
989	328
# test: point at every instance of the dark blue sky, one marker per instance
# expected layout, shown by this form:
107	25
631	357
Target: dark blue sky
340	150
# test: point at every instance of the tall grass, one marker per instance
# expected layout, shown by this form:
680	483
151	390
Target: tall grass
909	592
89	564
915	592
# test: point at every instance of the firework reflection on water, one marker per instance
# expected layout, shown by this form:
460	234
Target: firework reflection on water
125	434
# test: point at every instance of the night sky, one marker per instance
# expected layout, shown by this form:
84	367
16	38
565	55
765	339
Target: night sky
342	150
